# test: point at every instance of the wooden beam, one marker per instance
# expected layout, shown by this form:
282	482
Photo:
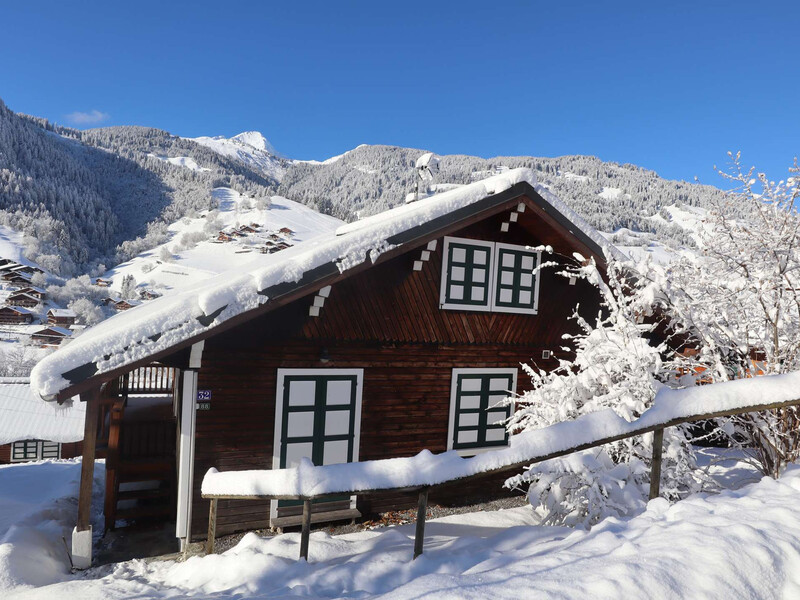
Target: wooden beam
422	511
305	532
92	399
655	467
212	527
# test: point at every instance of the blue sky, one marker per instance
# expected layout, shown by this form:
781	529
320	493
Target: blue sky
668	86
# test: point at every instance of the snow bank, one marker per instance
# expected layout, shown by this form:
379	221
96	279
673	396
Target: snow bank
167	321
38	507
429	469
737	544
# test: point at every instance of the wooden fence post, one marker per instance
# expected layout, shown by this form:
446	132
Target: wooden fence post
655	466
212	526
305	531
422	510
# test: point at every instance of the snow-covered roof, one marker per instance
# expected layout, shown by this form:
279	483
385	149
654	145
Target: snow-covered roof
53	328
166	322
24	416
18	309
61	312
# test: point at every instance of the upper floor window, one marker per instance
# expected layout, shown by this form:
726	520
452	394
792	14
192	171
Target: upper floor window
489	276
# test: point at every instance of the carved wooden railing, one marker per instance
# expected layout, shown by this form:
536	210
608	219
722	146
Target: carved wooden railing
649	425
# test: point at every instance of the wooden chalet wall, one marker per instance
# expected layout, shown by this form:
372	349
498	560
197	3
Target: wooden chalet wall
387	321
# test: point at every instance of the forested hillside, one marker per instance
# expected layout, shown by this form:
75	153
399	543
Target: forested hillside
610	196
102	196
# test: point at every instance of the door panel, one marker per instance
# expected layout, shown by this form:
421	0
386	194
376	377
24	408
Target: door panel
318	415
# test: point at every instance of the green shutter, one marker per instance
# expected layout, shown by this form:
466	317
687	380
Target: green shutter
515	286
468	274
476	414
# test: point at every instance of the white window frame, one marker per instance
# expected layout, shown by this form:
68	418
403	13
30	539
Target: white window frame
276	439
39	451
490	305
453	399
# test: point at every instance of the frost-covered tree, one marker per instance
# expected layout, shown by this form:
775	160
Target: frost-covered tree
610	364
736	301
86	311
128	289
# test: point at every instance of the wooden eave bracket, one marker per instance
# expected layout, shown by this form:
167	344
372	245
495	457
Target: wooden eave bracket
425	255
319	301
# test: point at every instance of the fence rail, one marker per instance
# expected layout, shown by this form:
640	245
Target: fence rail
655	474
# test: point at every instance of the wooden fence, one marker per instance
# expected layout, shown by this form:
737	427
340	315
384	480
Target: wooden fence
422	490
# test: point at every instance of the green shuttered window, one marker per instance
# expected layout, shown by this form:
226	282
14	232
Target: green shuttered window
476	410
489	276
34	450
515	283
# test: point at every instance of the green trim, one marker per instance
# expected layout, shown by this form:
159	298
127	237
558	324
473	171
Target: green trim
516	287
320	410
482	411
470	265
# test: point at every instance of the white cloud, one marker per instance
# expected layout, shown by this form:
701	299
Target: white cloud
93	117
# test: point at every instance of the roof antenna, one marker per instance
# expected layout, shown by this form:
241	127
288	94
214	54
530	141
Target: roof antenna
426	166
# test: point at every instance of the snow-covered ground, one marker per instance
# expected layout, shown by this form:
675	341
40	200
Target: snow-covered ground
741	543
209	258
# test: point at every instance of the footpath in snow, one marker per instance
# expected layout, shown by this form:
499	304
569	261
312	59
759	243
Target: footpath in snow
737	544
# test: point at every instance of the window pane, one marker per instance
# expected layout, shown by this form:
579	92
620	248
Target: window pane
301	393
339	392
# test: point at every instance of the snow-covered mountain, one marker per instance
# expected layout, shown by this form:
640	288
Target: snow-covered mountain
250	148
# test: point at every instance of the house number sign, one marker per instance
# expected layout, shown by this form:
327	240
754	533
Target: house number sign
203	399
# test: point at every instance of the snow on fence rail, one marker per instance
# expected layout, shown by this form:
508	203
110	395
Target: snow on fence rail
425	470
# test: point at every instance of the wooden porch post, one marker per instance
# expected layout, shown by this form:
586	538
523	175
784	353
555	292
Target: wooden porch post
82	534
655	466
212	526
422	510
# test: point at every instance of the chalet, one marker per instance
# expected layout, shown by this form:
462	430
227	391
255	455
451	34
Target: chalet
31	430
19	298
247	229
15	315
50	336
100	282
146	294
36	292
121	305
25	269
286	231
224	237
397	333
16	279
5	261
61	316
